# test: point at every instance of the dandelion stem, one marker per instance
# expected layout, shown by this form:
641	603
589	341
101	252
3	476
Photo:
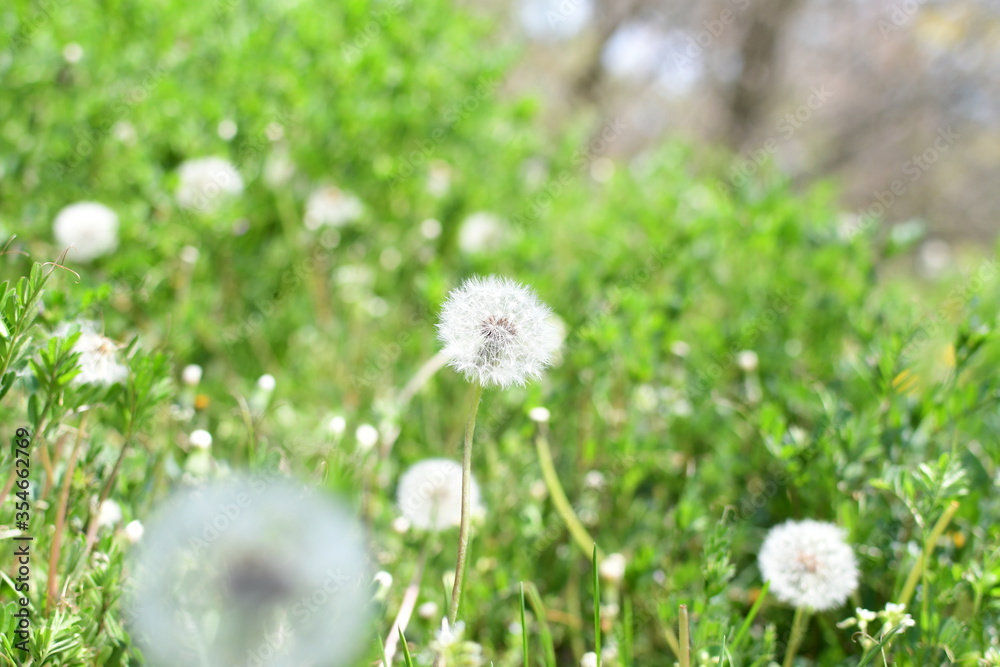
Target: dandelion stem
799	625
52	586
105	492
685	637
405	610
576	529
463	530
911	581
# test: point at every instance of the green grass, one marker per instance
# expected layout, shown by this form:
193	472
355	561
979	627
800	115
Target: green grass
873	403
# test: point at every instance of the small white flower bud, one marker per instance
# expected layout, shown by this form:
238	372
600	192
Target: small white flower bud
191	375
200	439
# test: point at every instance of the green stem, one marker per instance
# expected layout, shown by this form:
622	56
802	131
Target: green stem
911	581
576	529
799	625
685	637
463	530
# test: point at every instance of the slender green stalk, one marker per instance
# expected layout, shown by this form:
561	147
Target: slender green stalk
576	529
463	530
685	637
741	634
597	605
524	630
799	625
911	581
543	625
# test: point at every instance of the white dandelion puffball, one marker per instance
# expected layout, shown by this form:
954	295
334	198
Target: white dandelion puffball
330	206
88	227
497	332
809	564
133	531
205	183
200	439
481	232
251	571
191	375
109	513
430	494
98	361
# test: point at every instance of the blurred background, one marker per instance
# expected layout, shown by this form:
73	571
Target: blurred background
859	92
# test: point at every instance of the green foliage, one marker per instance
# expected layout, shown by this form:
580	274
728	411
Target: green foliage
870	399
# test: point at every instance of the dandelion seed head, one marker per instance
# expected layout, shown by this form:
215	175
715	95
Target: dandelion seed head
331	206
109	513
539	414
430	494
90	228
200	439
251	566
266	383
612	568
133	531
191	375
98	360
481	232
367	436
809	564
205	183
497	332
336	425
73	53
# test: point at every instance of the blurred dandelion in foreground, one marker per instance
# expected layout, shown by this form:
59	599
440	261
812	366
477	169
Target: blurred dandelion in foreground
497	332
98	360
809	564
430	494
330	206
205	183
251	571
90	228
